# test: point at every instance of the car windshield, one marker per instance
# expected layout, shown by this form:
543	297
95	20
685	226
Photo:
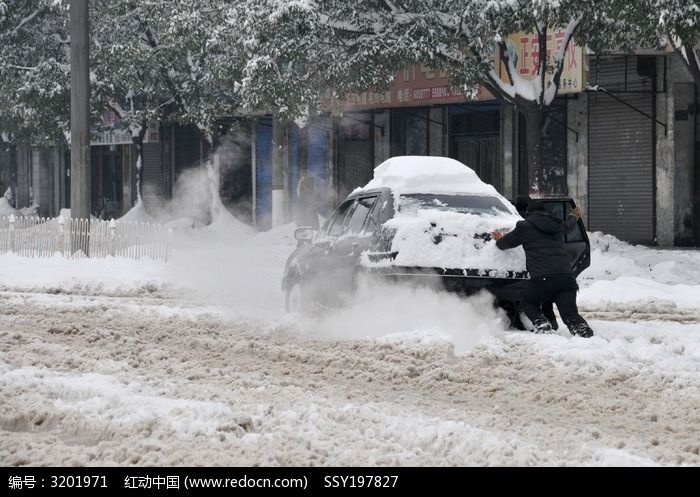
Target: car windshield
466	204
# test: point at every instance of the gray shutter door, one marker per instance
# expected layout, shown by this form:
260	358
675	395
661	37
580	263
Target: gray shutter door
621	167
152	177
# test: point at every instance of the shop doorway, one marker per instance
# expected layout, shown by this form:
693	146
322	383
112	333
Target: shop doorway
107	182
475	140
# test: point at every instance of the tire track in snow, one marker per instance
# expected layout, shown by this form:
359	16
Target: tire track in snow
291	398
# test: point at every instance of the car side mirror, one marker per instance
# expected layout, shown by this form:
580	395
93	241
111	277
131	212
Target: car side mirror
304	234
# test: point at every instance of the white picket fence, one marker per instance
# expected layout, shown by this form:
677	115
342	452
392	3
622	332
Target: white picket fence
76	238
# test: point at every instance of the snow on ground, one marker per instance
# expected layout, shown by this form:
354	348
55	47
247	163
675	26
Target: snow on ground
639	279
6	209
193	362
106	385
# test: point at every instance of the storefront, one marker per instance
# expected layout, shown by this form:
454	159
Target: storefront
622	148
109	168
420	114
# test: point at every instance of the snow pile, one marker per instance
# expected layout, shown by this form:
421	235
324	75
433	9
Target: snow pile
417	232
138	214
6	209
97	276
226	225
639	279
606	294
32	210
612	258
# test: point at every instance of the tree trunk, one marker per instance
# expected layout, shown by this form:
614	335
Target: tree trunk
534	118
138	142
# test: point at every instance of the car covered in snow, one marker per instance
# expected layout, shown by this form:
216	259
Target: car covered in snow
421	220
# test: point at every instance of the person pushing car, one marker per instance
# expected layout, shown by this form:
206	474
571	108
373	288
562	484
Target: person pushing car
551	276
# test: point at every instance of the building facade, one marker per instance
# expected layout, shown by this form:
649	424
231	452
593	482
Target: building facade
626	149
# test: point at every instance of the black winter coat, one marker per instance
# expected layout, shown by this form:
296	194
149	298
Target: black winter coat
541	235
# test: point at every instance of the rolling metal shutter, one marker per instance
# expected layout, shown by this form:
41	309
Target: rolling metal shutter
621	167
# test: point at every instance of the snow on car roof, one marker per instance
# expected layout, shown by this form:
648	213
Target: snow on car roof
427	174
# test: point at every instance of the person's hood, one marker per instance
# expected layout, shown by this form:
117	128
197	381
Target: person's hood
544	222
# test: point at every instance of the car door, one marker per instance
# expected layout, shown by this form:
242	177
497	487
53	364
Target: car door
320	259
575	241
346	249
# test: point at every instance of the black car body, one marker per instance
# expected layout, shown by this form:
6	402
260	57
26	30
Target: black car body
356	242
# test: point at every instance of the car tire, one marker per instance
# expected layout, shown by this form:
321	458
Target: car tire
294	299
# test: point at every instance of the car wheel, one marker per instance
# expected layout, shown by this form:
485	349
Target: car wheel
294	299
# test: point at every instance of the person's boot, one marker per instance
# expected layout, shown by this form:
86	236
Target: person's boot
542	326
548	312
582	330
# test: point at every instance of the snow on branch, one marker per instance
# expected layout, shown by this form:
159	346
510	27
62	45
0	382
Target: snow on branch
118	109
391	6
519	87
553	86
24	21
689	54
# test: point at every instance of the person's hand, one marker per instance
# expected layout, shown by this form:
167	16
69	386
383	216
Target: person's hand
576	212
496	235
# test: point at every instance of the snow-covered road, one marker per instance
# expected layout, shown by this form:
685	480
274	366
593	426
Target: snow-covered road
132	381
193	362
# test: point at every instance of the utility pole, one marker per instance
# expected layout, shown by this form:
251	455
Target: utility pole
80	115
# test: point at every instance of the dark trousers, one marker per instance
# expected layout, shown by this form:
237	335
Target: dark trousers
561	289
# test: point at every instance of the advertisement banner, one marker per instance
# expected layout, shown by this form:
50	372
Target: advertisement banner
121	136
524	50
414	86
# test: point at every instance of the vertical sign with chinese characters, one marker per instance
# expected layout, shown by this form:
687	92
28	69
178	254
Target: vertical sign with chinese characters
524	50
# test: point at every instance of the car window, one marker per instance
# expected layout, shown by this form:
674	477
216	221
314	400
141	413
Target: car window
575	235
560	211
466	204
375	215
556	209
337	224
359	215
